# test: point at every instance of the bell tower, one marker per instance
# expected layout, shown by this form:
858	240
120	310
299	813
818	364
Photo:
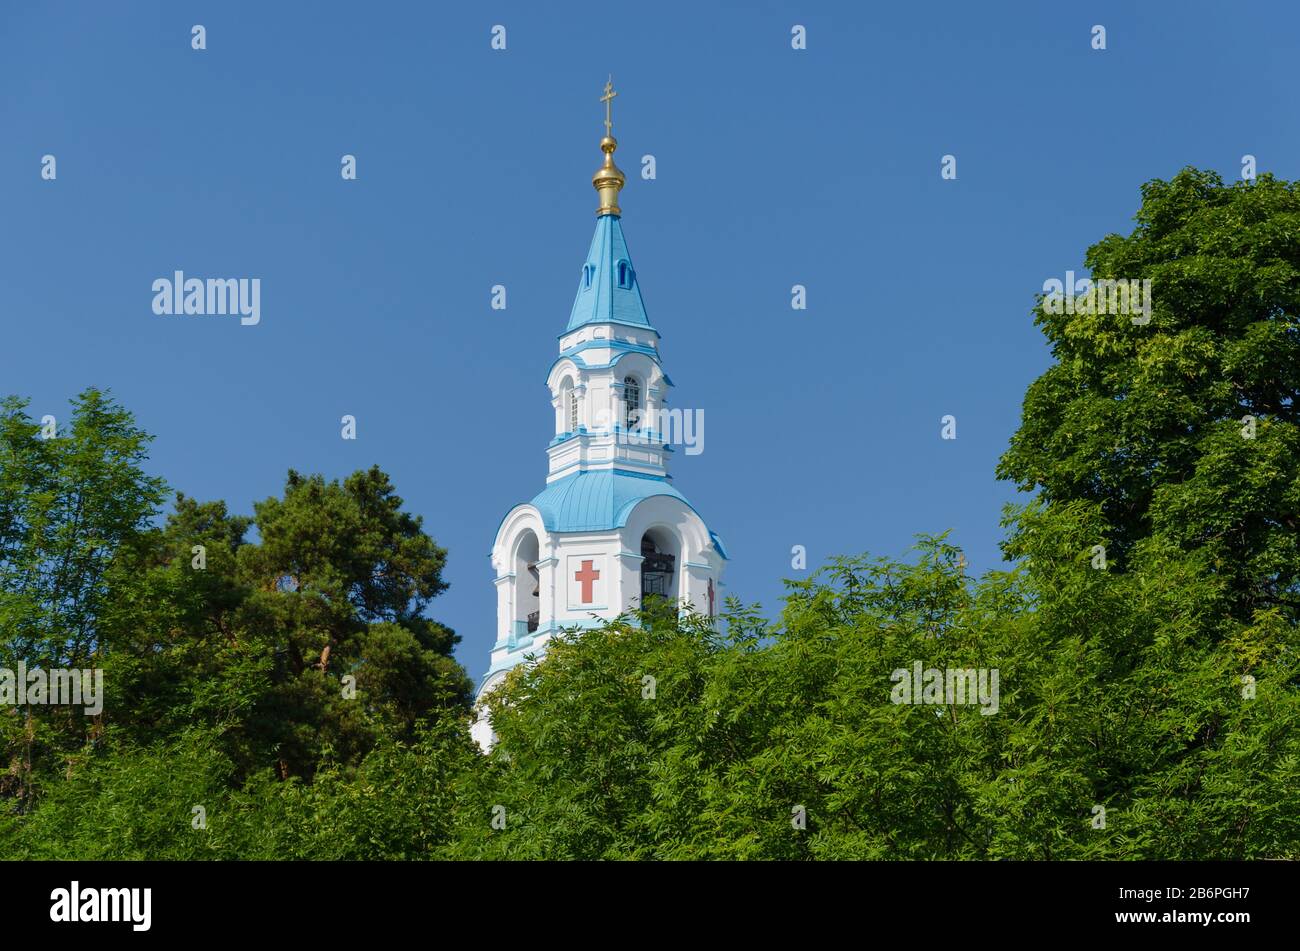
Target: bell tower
609	527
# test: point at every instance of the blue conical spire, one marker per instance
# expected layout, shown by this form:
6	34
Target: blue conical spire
608	291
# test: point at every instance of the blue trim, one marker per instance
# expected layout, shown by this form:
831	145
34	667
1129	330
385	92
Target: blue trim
571	434
608	343
642	438
621	323
630	473
604	466
623	349
717	543
519	637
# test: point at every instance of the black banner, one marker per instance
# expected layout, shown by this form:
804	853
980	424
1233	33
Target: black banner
940	899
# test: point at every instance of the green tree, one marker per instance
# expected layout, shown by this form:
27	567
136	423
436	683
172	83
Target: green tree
1148	425
233	660
69	504
1162	545
304	647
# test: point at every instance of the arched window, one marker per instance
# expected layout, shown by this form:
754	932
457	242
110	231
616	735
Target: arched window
587	271
624	274
527	586
658	567
631	403
566	421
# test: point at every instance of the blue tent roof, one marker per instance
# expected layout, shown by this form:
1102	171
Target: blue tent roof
601	298
597	501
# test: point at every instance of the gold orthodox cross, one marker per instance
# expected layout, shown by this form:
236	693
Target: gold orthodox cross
608	100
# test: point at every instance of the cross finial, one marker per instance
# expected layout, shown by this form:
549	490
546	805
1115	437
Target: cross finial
608	179
608	100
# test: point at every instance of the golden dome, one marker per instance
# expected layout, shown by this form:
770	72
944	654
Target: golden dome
608	179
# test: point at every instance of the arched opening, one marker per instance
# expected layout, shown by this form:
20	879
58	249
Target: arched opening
568	408
527	584
659	551
631	403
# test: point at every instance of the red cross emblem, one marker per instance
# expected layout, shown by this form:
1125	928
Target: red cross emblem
586	577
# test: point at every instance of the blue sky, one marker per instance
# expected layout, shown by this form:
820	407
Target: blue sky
775	167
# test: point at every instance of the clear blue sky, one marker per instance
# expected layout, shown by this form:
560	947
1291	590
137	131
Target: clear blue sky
775	167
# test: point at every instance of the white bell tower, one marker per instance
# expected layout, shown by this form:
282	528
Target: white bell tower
609	527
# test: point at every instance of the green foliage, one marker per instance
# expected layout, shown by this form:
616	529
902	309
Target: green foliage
180	800
399	805
135	804
586	767
748	725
